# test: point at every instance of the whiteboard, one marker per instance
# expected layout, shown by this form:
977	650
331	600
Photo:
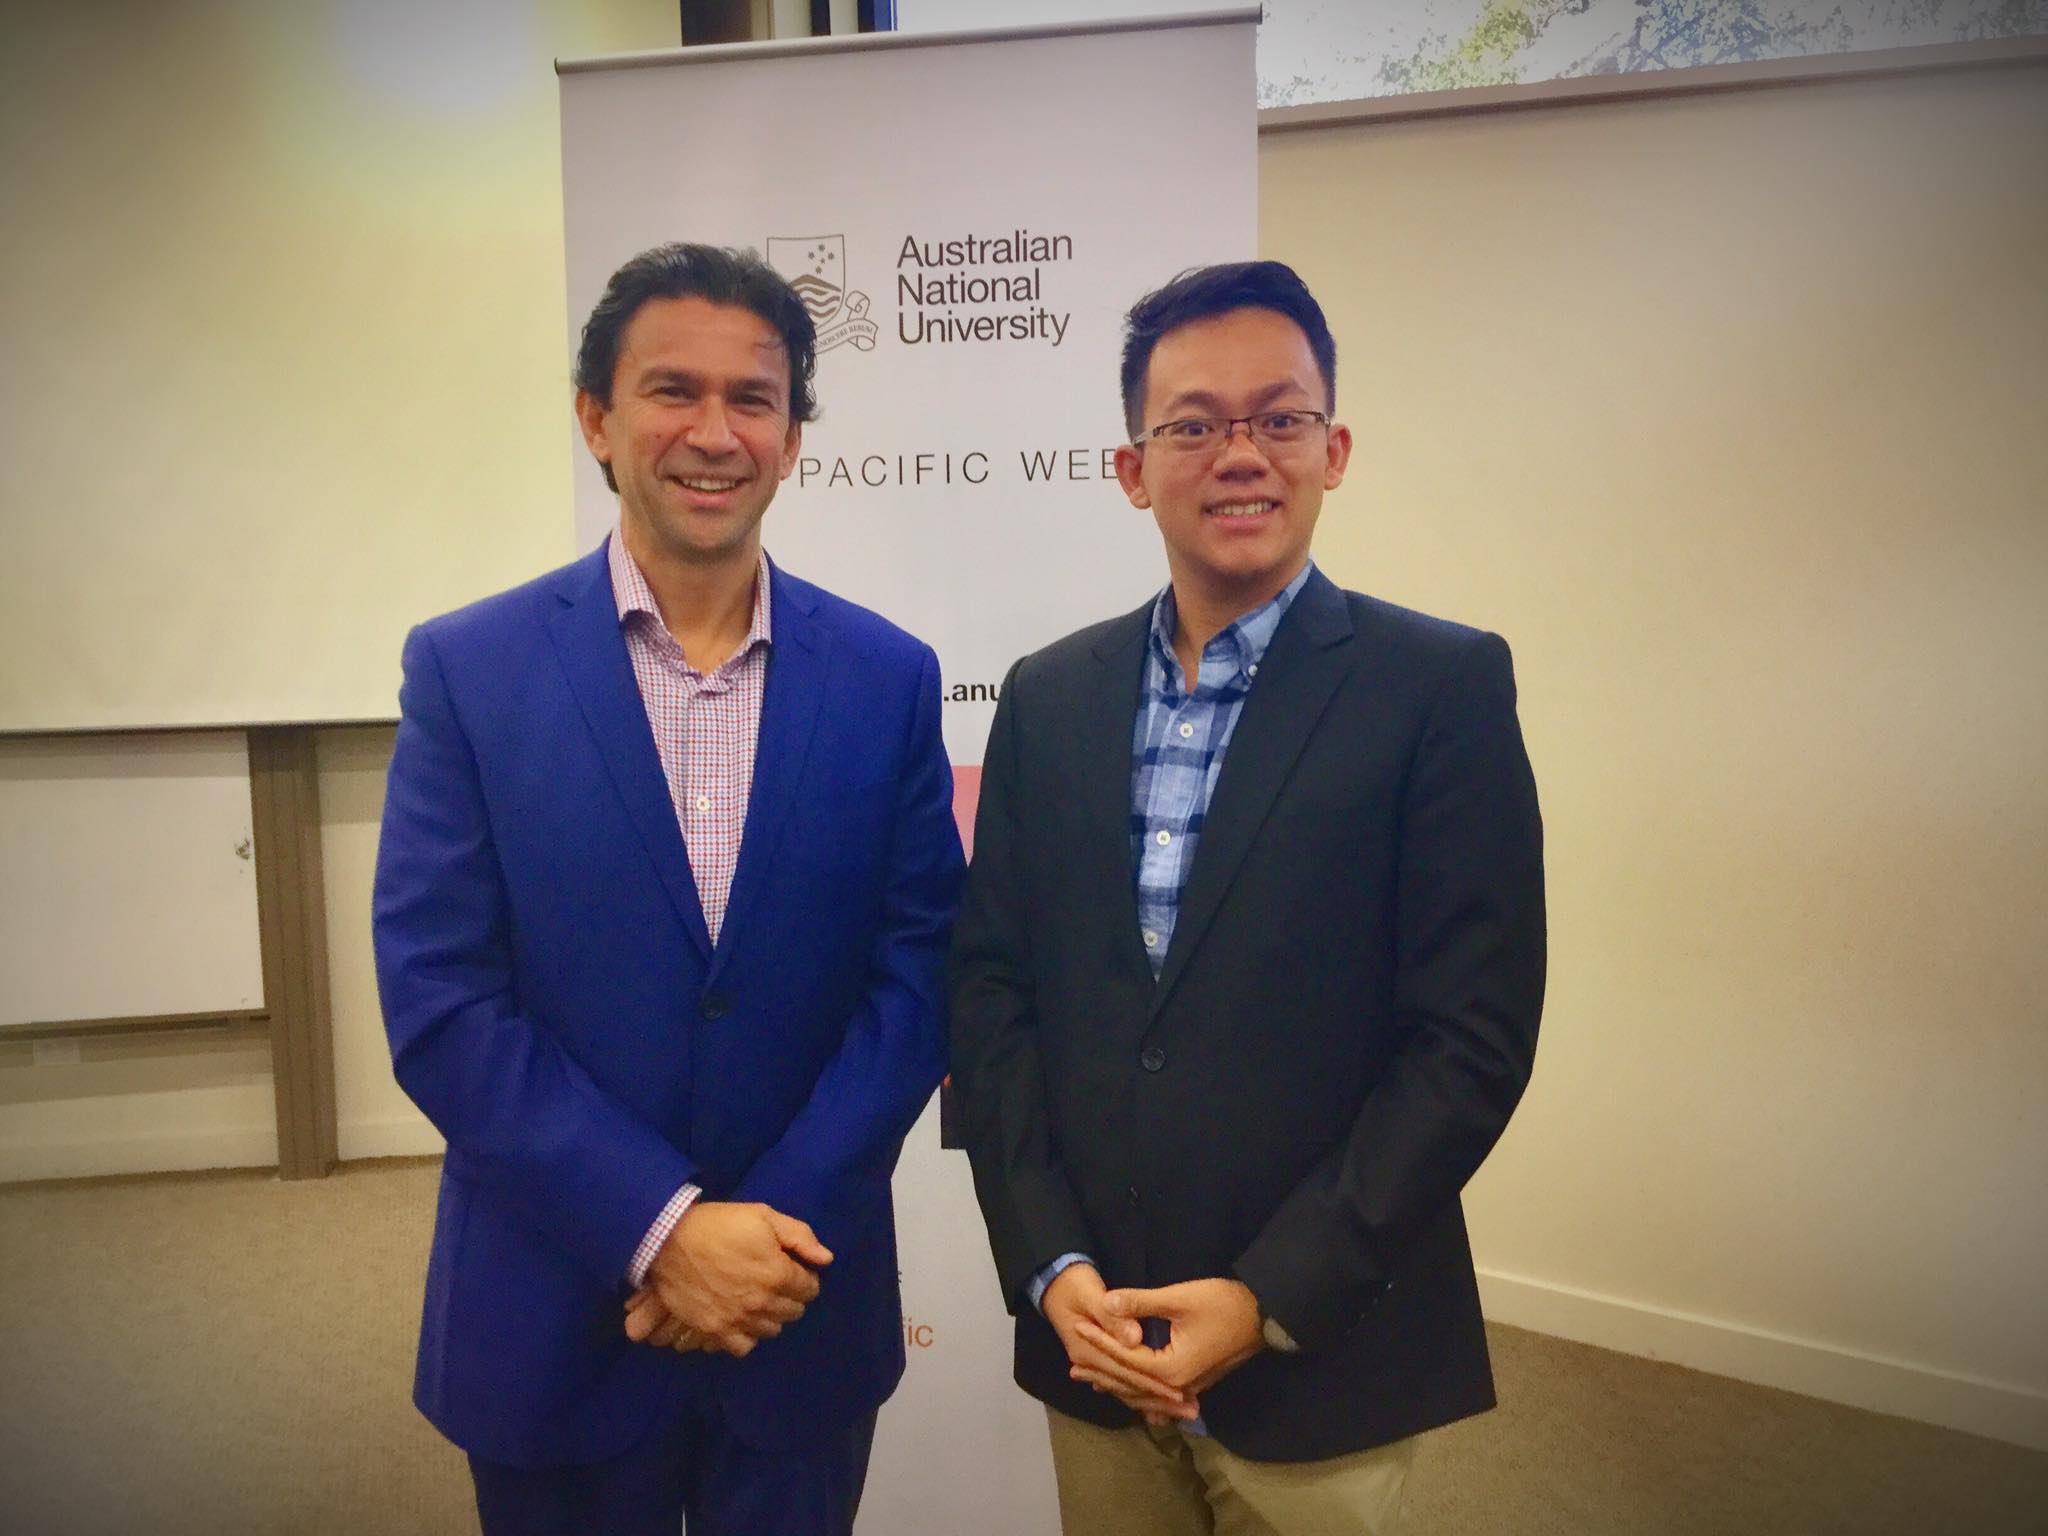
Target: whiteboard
281	337
129	887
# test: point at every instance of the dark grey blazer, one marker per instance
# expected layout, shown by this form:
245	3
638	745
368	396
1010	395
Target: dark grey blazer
1346	1018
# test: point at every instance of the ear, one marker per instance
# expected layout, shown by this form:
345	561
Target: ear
590	417
1130	474
1339	456
792	441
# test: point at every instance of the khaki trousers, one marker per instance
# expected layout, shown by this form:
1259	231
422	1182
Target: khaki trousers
1160	1481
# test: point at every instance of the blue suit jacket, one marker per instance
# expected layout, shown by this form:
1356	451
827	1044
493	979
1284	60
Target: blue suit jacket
557	1009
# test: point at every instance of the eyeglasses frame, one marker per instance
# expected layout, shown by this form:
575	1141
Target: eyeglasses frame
1230	424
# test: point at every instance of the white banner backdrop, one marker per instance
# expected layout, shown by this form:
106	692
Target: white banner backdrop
968	216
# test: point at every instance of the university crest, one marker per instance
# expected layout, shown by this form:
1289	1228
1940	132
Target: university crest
816	268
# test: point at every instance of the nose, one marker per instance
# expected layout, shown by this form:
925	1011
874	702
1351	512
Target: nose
1240	449
710	429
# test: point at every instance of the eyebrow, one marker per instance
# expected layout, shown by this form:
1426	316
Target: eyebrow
1203	400
760	383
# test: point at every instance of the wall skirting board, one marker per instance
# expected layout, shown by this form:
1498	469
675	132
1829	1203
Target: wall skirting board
394	1136
2000	1410
104	1156
196	1151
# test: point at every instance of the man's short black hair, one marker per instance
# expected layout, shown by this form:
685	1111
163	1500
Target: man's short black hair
1201	292
718	274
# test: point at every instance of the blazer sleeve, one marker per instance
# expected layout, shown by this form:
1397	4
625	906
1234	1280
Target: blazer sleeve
526	1121
893	1052
1468	990
1032	1213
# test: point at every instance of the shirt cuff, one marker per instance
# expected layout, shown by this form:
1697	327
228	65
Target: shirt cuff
643	1257
1277	1338
1034	1288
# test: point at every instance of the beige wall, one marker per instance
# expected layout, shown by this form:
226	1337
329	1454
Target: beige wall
373	1118
1727	412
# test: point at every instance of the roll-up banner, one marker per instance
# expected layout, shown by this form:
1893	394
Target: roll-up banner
967	216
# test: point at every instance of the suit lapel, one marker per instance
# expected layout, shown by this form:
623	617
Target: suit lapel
1101	747
593	653
1310	655
798	667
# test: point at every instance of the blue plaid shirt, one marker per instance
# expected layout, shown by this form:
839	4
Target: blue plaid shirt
1177	751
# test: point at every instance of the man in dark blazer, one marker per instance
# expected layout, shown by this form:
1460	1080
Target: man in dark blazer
1246	982
667	867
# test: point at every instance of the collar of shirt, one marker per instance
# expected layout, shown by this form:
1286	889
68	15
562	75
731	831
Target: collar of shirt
634	596
1233	653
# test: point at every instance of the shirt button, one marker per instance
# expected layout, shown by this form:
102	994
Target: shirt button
1151	939
1186	730
1152	1059
1162	837
703	802
1252	670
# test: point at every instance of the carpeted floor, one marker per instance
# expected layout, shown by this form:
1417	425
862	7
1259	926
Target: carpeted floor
225	1353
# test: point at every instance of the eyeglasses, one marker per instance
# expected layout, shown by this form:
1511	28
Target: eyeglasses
1208	434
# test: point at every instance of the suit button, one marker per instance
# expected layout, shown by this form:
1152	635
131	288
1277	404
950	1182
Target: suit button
1131	1195
714	1006
1152	1058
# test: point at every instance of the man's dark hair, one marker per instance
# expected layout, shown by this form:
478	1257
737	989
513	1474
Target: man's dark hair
715	273
1201	292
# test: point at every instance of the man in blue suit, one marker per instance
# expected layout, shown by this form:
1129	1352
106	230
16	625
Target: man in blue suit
662	897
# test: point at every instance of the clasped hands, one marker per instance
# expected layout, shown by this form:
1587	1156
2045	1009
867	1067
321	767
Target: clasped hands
730	1275
1213	1327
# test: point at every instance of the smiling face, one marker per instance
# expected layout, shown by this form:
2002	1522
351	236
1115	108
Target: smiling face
697	434
1237	521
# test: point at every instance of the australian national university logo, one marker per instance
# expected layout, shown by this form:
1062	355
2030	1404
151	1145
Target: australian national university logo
816	268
